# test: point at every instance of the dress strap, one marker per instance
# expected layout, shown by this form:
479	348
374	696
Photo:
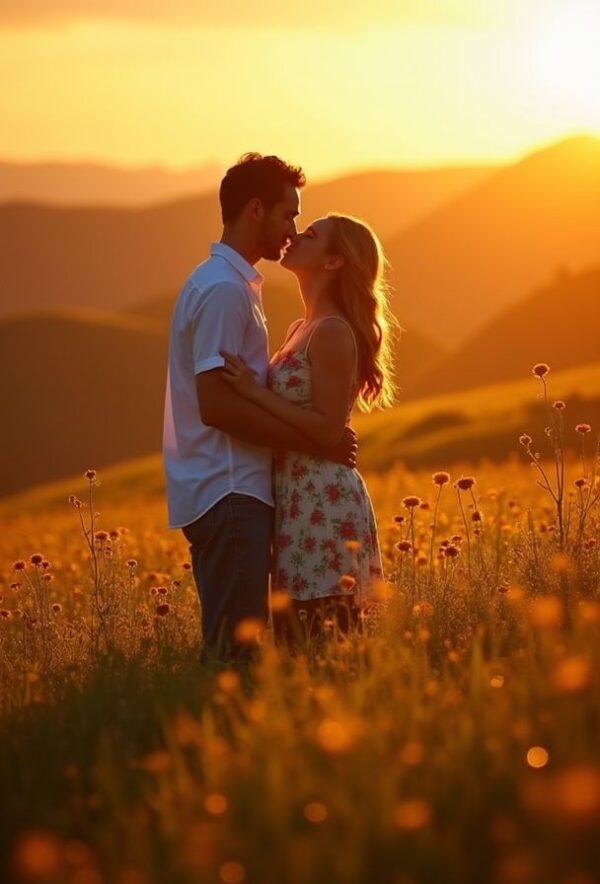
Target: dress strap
291	329
321	319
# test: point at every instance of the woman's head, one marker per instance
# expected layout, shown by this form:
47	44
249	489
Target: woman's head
347	255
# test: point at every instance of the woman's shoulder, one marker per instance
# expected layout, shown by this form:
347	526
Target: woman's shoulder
333	329
333	334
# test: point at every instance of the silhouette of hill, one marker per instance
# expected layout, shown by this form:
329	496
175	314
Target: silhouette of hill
87	387
104	258
390	199
79	388
113	257
472	257
67	183
557	324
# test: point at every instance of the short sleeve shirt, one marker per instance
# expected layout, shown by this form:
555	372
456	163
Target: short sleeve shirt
218	308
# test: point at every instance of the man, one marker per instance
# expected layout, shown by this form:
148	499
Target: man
217	445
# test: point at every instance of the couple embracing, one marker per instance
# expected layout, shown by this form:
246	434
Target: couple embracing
259	456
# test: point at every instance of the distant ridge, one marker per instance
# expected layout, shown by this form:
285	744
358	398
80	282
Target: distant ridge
112	258
477	254
97	184
558	323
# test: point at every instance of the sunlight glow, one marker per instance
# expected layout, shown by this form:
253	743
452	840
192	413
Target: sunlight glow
566	56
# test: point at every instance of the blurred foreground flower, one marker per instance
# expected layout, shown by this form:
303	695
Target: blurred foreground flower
412	815
249	631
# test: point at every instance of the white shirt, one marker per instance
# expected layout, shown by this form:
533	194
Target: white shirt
219	307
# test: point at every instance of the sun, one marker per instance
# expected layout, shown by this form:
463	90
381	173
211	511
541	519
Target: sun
565	55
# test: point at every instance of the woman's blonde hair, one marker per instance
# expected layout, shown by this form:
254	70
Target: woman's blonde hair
362	294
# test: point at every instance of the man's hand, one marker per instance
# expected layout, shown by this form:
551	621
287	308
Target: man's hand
345	451
241	378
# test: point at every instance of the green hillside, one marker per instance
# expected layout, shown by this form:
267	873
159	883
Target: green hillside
481	423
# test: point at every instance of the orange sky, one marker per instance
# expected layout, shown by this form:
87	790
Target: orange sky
334	85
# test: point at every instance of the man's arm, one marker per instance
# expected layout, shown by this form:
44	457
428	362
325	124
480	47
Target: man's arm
219	322
221	407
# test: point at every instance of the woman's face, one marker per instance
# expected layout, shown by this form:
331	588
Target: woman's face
309	251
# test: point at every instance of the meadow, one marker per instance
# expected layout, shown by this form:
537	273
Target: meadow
453	737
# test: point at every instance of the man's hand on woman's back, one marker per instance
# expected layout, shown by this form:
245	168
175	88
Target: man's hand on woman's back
346	451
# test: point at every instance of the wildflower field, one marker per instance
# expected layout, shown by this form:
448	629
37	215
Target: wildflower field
453	737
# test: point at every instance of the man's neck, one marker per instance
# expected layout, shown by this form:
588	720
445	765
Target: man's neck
236	242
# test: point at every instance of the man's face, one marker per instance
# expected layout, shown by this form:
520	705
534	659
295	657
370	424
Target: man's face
278	227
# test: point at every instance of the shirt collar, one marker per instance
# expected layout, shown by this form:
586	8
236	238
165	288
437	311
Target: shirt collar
250	273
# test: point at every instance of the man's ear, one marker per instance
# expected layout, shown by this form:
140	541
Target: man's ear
334	262
255	208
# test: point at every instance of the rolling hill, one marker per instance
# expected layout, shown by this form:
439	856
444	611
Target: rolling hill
439	432
482	423
113	257
557	323
97	184
78	387
87	387
390	200
471	257
475	256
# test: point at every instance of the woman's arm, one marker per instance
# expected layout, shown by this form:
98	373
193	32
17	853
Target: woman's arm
332	363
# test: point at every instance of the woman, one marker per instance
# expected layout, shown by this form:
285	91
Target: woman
326	549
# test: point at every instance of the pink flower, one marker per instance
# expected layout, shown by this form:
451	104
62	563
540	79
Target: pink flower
298	583
317	517
293	381
284	541
310	544
298	470
333	493
347	530
334	563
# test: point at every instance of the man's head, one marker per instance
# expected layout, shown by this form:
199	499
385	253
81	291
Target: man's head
259	197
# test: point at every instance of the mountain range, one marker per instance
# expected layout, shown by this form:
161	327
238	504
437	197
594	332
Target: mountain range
557	323
100	184
481	251
494	270
492	235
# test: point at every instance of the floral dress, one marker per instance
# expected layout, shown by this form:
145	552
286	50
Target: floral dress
325	541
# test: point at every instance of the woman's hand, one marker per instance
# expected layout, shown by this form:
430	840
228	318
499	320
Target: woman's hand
241	378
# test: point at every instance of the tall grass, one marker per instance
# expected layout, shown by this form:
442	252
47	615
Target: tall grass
454	736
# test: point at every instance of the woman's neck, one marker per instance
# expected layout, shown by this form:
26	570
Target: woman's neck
317	300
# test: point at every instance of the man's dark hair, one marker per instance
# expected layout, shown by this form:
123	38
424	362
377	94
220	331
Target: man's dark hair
256	176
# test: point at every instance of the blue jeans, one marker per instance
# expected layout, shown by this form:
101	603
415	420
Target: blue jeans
230	547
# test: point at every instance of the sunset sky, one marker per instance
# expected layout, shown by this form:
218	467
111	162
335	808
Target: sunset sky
332	84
